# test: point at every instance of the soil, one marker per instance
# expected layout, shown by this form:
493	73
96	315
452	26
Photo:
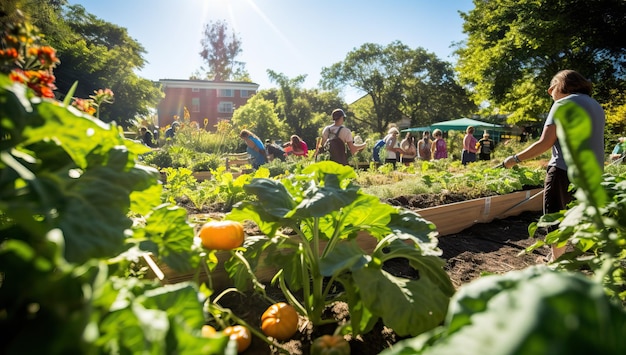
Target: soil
492	248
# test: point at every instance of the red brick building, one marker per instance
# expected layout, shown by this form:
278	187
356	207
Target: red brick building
212	100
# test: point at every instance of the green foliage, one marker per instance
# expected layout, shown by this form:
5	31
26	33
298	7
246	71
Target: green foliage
258	116
401	82
69	183
325	212
515	47
97	54
533	311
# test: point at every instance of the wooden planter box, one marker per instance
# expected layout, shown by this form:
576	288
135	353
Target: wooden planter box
449	219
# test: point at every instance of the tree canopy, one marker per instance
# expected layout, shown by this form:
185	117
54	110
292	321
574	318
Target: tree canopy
219	51
514	47
97	55
402	82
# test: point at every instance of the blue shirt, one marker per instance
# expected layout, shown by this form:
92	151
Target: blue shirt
258	158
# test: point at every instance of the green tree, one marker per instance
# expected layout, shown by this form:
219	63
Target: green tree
219	52
97	55
258	115
514	47
401	82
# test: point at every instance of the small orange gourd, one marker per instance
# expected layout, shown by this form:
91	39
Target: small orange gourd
280	321
330	345
222	235
241	335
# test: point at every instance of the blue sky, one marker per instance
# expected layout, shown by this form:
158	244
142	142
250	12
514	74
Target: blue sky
287	36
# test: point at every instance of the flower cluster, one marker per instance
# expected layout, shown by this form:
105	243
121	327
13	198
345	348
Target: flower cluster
26	61
91	105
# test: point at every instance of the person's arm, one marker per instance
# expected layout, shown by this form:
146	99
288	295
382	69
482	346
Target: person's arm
433	148
354	148
546	141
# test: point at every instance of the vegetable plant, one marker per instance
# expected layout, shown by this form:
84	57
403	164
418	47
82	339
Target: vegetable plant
531	311
71	277
310	221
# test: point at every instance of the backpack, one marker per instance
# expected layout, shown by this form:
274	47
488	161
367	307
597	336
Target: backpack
336	147
376	152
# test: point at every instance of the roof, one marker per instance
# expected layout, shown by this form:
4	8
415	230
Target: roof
459	125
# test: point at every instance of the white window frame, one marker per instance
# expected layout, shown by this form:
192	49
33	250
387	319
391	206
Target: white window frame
195	104
225	107
225	93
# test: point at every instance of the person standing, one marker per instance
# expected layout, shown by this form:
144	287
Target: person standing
339	137
439	147
485	147
254	147
566	86
468	155
408	148
392	145
424	147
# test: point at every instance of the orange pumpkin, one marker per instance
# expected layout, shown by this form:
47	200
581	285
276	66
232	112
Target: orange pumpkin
330	344
241	335
222	235
208	331
280	321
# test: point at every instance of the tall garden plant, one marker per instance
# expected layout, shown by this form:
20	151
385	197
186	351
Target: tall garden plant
311	221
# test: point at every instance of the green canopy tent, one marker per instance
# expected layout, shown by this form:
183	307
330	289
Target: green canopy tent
461	124
417	129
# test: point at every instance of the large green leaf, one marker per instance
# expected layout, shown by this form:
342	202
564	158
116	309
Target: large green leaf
170	238
272	196
409	307
533	311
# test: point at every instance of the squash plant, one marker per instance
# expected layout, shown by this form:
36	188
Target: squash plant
310	221
69	183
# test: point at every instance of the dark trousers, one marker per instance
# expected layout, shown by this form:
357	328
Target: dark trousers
555	192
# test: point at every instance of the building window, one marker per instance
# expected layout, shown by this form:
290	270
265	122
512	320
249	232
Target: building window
225	107
225	93
195	104
195	89
247	93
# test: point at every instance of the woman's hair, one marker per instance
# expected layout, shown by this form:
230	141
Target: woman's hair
393	130
570	82
437	133
296	139
470	130
245	134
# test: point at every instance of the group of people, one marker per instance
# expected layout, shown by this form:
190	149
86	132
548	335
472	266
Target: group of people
262	153
407	150
473	148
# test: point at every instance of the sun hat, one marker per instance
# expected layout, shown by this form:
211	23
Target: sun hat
338	113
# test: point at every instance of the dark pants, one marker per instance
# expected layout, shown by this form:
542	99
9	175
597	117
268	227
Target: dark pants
467	157
555	192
